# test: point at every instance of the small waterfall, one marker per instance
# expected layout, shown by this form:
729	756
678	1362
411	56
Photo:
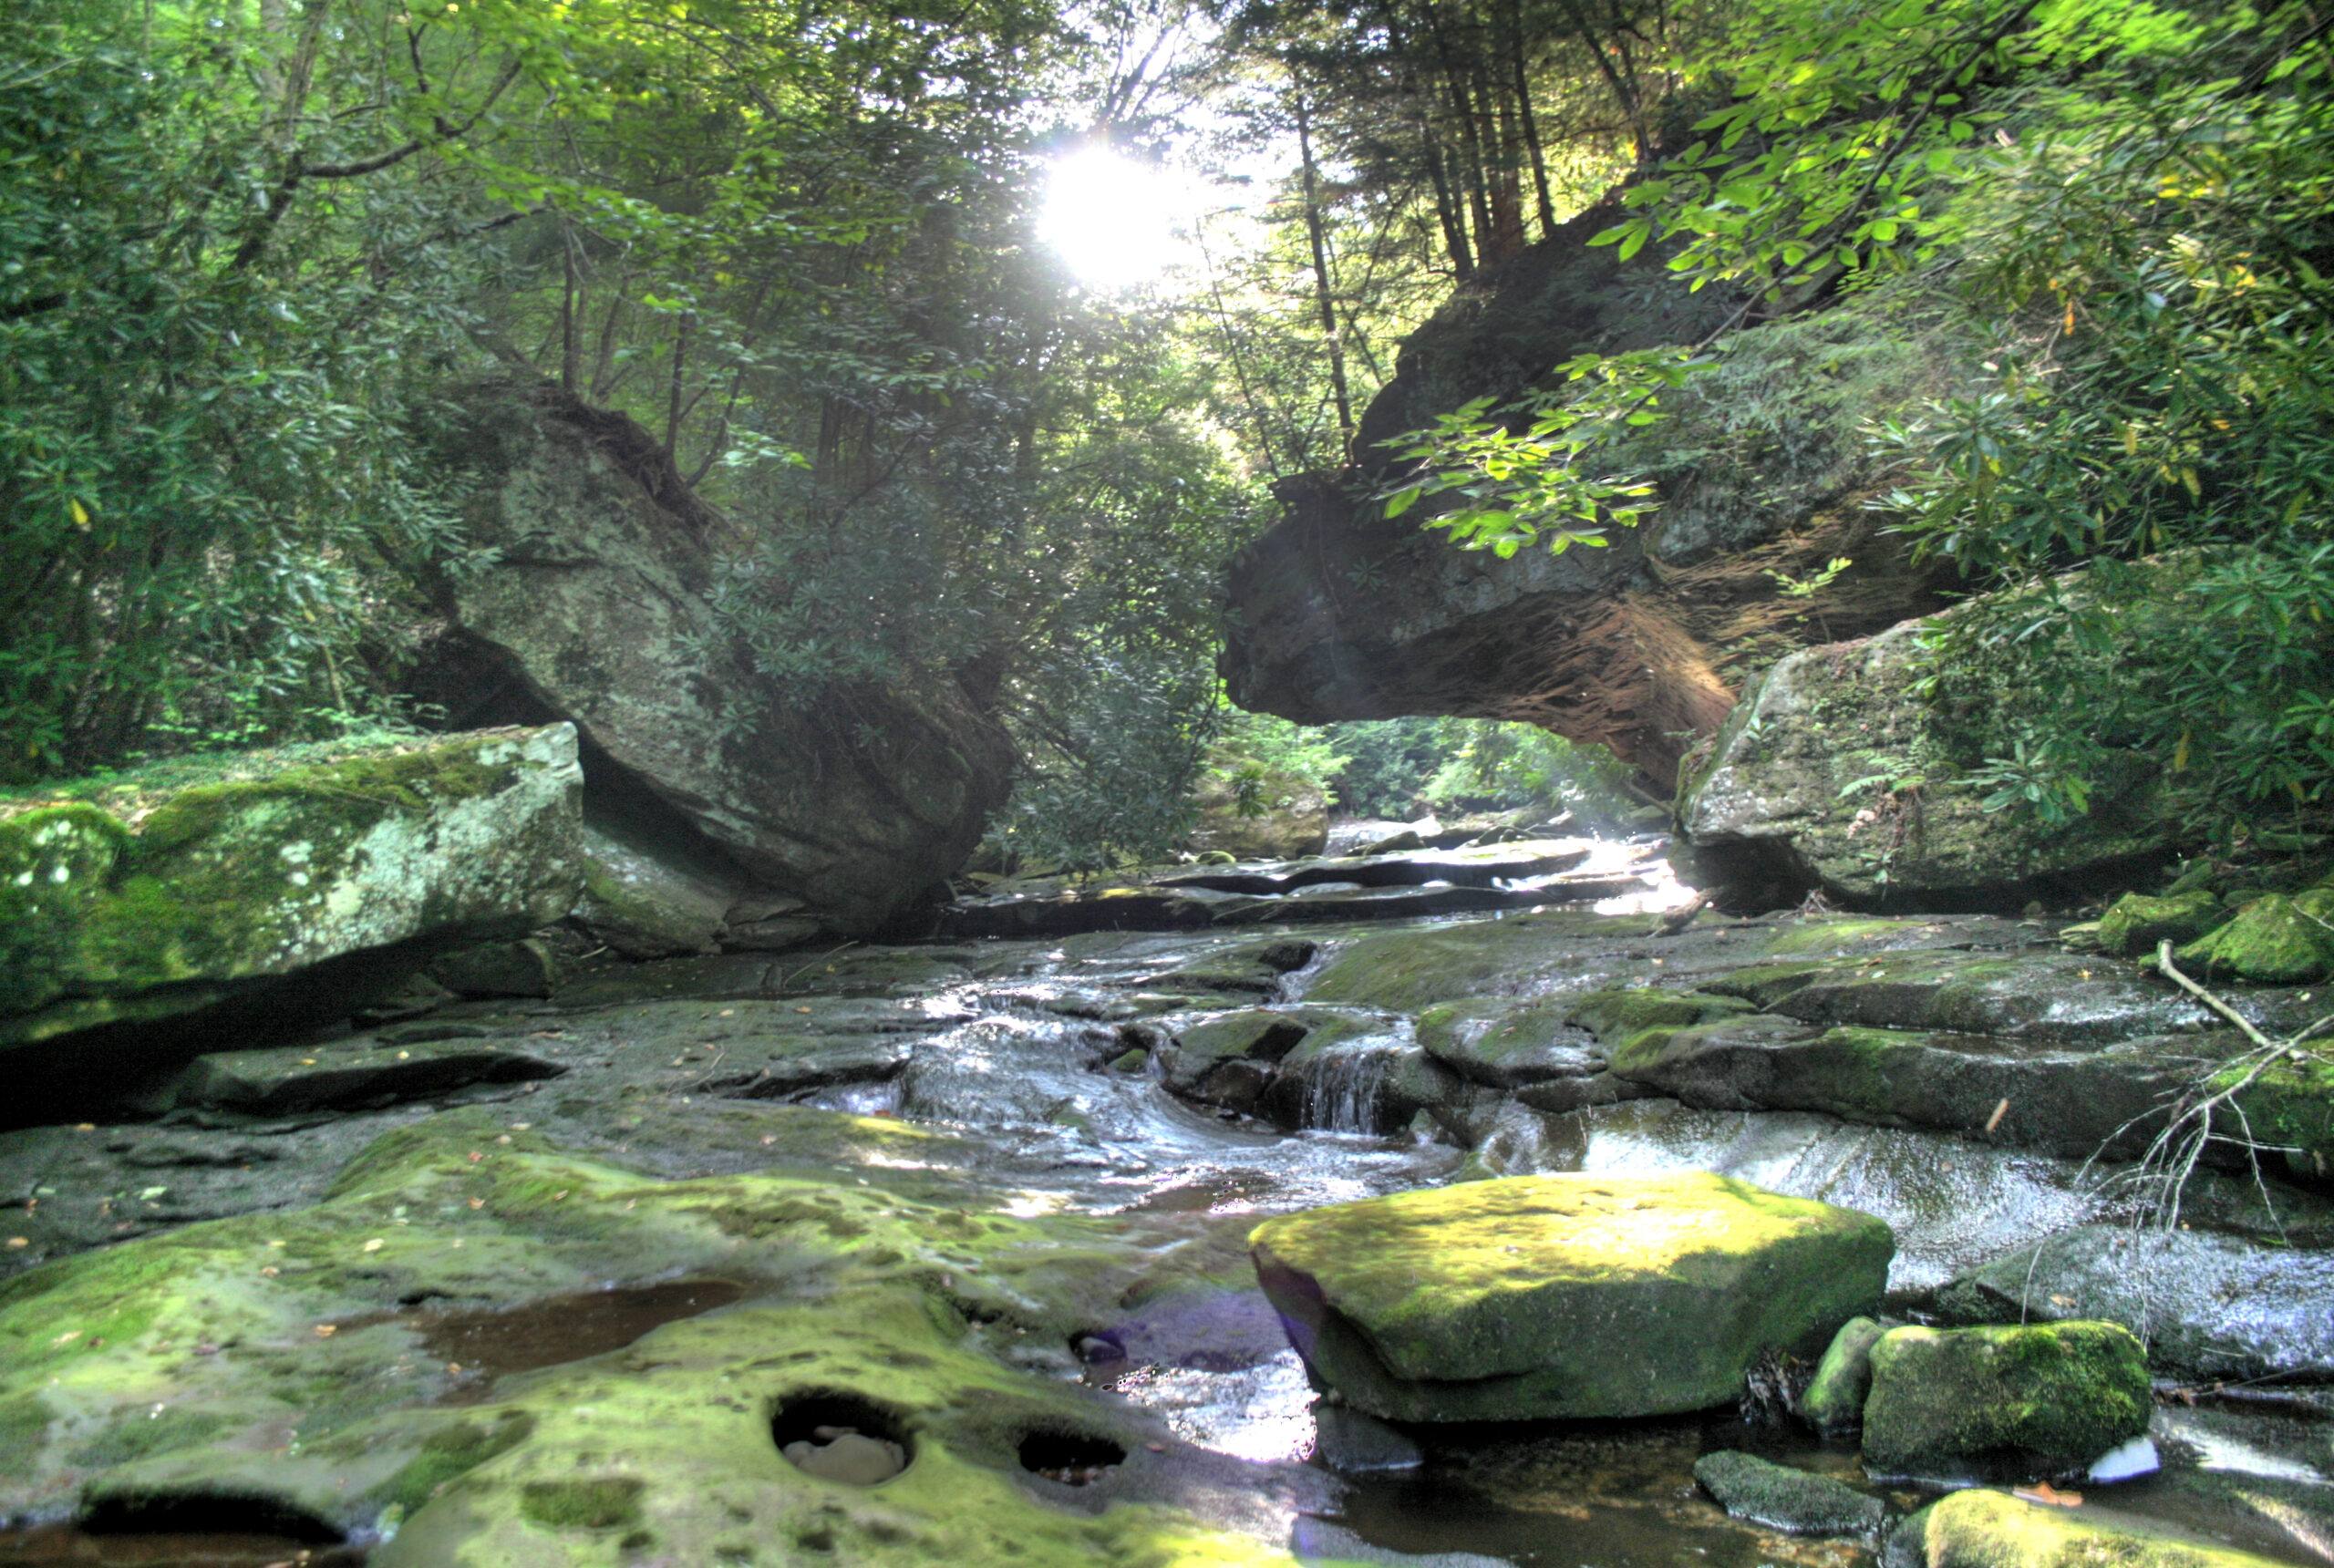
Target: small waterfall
1344	1084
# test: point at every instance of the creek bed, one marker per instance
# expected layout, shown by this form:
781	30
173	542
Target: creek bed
1008	1048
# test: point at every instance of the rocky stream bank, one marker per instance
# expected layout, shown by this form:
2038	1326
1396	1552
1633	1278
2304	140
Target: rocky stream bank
1291	1232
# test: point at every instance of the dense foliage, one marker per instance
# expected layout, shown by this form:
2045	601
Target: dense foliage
244	243
2128	208
247	241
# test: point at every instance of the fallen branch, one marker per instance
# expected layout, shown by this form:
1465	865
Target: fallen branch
1678	919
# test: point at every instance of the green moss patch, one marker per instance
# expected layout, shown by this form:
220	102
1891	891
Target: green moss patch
2016	1403
1980	1528
2272	941
1563	1295
601	1503
229	881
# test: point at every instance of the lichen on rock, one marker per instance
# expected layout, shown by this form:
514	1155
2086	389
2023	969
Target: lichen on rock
452	840
1563	1295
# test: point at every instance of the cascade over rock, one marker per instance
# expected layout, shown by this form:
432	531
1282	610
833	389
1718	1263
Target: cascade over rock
1336	614
847	811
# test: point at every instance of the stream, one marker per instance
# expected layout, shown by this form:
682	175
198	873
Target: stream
1020	1050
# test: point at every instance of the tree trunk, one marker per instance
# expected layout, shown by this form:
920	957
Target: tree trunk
1530	122
1323	296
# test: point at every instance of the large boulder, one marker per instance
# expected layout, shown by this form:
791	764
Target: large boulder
270	892
1833	777
2014	1403
1336	613
1563	1295
599	609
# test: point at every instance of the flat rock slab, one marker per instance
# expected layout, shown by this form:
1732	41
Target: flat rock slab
2067	1101
1485	867
1189	905
1563	1295
1764	1492
287	1081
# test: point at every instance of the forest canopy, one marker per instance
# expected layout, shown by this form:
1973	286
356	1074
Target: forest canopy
246	246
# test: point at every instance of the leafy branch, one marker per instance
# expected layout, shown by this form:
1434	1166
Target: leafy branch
1515	487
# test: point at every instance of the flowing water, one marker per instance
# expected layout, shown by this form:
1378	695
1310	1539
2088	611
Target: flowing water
1017	1030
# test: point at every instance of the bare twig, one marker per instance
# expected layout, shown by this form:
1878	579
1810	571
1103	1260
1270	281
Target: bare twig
2165	966
1678	919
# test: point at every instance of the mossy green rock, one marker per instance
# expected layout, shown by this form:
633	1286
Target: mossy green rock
2135	922
1748	1487
1980	1528
268	1358
1563	1295
2289	1107
1803	791
1834	1399
468	836
2274	941
2014	1403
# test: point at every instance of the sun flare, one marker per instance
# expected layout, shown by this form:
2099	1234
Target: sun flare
1114	221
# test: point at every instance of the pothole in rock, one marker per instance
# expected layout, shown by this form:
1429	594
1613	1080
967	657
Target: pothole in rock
841	1438
482	1345
1073	1458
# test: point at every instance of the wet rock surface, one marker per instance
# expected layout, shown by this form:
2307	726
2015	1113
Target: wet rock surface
1562	1296
2208	1304
267	904
987	1189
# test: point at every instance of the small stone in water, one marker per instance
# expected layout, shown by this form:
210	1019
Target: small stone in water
842	1454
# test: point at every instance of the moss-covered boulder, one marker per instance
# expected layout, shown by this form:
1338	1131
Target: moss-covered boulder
2289	1108
215	891
1831	775
1563	1295
2208	1303
1983	1529
2273	940
2013	1403
2135	922
1764	1492
1834	1399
